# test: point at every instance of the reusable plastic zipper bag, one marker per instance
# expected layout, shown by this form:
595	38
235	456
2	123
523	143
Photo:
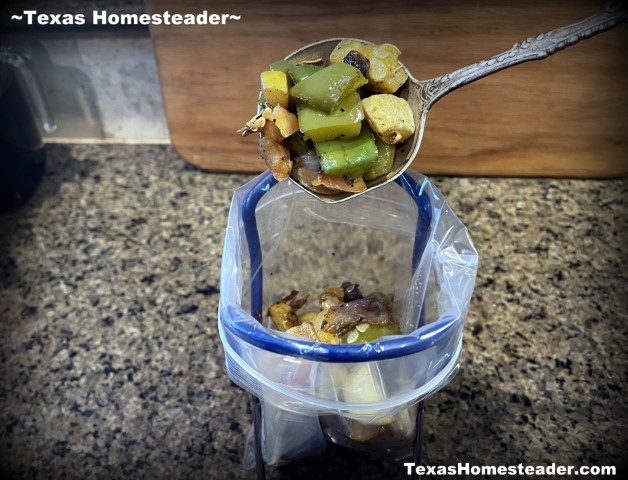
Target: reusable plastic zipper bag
401	239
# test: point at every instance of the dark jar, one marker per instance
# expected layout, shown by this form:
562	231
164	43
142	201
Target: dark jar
22	154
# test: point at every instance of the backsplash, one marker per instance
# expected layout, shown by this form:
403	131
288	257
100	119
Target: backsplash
101	82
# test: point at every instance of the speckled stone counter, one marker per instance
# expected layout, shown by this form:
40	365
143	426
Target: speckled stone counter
111	364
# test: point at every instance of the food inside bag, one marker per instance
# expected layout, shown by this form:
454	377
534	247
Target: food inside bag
337	315
388	435
343	315
393	439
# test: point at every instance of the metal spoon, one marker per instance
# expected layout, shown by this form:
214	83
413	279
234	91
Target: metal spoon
422	94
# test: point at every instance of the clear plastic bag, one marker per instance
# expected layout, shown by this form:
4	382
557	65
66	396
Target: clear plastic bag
401	238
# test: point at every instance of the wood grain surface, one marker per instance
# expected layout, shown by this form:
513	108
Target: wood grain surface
564	116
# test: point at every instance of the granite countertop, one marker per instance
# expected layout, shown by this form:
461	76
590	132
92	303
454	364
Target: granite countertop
112	366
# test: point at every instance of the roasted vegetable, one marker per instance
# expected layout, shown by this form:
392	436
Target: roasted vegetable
358	60
348	158
387	299
295	71
286	121
385	74
256	123
347	45
365	332
329	131
345	316
389	116
331	297
275	88
281	66
351	291
304	329
310	326
325	88
340	184
302	71
385	160
283	313
297	144
274	153
344	122
350	314
328	184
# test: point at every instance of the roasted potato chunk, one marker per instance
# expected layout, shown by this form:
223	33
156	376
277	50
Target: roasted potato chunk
385	74
275	88
347	45
390	117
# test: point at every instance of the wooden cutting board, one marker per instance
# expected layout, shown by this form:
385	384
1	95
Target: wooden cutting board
564	116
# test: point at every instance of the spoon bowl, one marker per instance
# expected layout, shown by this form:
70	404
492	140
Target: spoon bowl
422	94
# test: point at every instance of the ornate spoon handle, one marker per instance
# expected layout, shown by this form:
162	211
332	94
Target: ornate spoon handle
533	48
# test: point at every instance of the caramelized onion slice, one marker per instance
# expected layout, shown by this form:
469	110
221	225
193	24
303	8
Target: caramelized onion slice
350	314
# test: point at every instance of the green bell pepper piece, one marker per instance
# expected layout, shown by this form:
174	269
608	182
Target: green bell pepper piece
348	158
385	159
344	122
302	71
281	66
326	87
296	72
